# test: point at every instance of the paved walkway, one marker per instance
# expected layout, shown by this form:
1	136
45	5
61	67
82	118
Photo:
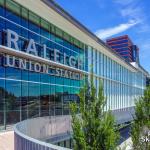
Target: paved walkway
126	145
7	140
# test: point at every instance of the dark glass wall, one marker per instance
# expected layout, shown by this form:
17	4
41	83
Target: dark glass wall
26	94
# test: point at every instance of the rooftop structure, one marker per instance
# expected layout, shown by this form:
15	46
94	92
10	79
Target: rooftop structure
124	47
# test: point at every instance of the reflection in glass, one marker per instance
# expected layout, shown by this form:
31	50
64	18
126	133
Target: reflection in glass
2	102
24	100
44	99
34	100
12	98
58	100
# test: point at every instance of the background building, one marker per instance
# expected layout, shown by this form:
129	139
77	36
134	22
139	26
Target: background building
148	81
124	47
44	52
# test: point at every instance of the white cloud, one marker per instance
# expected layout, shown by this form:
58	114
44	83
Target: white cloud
132	12
105	33
129	11
133	9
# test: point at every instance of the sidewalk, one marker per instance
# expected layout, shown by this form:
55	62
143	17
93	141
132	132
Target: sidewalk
126	145
7	140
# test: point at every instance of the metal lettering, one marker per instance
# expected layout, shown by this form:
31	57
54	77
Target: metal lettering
31	47
12	37
65	57
56	56
12	42
66	74
22	63
30	65
37	67
45	68
44	48
10	61
72	61
79	64
57	72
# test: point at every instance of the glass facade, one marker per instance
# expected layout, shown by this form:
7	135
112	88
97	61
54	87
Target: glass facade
26	94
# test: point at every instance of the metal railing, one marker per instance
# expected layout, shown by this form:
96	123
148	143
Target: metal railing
29	134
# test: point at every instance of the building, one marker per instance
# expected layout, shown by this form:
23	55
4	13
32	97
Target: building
44	54
148	81
124	47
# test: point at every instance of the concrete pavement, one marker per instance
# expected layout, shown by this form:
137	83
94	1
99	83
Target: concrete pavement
7	140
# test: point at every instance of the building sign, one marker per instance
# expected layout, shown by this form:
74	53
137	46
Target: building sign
13	40
24	64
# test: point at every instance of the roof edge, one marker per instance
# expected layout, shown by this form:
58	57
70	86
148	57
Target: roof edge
52	4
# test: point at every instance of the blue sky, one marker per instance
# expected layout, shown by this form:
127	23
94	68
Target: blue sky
110	18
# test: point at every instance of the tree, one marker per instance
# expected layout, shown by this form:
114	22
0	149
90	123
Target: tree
140	130
93	128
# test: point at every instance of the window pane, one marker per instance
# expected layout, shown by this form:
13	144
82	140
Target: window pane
34	100
58	100
2	98
44	99
13	98
24	100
